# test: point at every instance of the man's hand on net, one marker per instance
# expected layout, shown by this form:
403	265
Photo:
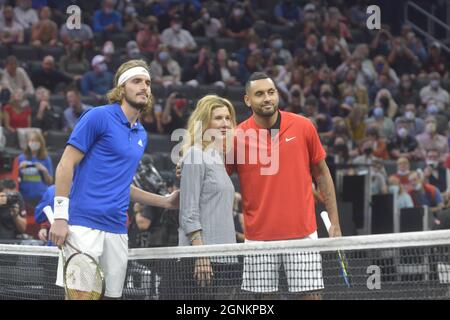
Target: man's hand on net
335	231
203	272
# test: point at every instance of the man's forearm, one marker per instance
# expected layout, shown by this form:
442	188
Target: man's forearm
63	179
147	198
326	189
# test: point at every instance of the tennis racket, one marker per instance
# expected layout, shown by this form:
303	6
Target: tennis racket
82	275
342	260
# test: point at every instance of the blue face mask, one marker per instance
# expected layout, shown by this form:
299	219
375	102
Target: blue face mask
378	112
432	109
277	44
163	56
394	189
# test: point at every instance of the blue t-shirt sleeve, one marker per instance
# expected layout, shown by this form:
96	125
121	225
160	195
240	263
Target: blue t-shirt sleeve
47	200
438	197
49	165
87	130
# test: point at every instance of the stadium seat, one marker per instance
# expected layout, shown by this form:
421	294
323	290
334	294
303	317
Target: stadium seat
56	52
55	156
56	140
202	41
158	143
224	43
4	52
120	39
235	93
89	100
11	139
188	91
25	52
285	32
262	29
58	100
203	90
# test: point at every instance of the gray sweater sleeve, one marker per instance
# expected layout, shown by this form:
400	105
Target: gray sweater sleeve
192	177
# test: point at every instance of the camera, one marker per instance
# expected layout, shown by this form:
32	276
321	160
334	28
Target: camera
12	198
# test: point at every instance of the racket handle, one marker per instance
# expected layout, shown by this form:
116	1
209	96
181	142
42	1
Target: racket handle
326	220
49	213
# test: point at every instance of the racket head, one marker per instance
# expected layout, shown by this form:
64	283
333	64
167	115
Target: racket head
83	278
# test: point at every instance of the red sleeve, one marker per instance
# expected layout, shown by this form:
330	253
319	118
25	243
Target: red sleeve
316	151
447	162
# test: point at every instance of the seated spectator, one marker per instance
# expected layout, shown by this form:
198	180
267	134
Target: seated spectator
327	103
435	172
402	173
49	77
378	173
277	47
98	81
334	52
177	39
406	93
16	78
381	43
228	68
436	61
107	20
151	120
435	91
112	60
130	19
385	124
382	67
430	139
45	31
166	14
432	109
384	100
382	82
132	51
323	121
416	125
355	123
47	116
360	92
148	37
11	32
17	113
416	46
297	101
402	198
25	14
35	169
206	26
425	194
237	25
378	144
74	110
403	144
13	220
251	65
83	34
401	58
287	13
74	62
175	113
209	72
165	70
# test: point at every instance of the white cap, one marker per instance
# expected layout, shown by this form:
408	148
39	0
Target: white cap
97	60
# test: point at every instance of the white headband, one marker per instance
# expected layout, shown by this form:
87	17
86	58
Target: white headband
136	71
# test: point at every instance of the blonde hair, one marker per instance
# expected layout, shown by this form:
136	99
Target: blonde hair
203	114
42	152
117	94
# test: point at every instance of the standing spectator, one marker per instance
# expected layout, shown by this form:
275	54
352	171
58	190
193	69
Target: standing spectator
35	169
355	123
107	20
430	139
402	59
25	15
74	62
49	77
381	44
165	70
74	110
45	31
148	37
177	39
335	53
11	32
98	81
17	113
435	91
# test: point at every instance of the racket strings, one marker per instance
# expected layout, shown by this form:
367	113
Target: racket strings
84	280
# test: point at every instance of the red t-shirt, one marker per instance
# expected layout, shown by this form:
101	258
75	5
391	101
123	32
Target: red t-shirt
18	120
277	196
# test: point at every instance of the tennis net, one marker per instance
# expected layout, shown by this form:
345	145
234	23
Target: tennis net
412	265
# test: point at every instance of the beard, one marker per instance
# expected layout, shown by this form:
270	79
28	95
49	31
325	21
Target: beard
140	106
266	112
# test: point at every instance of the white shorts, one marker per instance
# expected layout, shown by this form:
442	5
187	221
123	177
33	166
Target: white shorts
109	249
303	271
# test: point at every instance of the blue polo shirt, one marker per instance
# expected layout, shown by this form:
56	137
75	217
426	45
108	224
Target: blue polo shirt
100	192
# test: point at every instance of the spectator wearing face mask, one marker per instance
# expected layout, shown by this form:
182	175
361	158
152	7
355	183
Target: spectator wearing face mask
441	119
403	144
430	139
403	199
384	100
165	70
277	48
406	93
386	125
107	20
435	91
207	26
360	92
425	194
98	81
435	172
132	51
177	39
416	125
403	172
327	103
35	169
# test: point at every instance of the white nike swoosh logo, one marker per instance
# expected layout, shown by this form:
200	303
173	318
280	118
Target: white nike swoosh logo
289	139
